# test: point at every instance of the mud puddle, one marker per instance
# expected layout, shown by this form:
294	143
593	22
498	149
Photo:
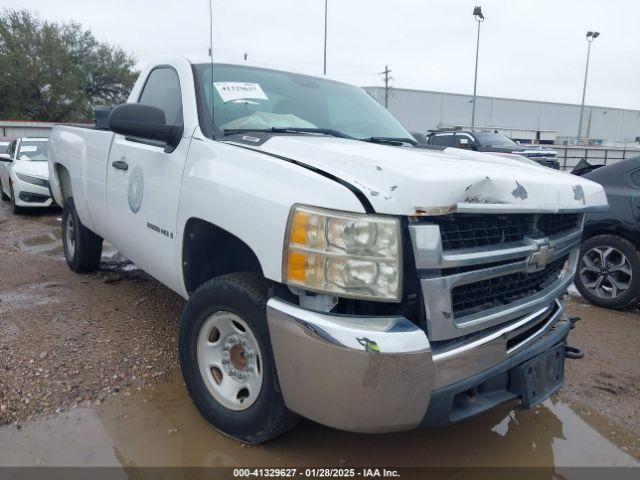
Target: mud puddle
50	244
160	427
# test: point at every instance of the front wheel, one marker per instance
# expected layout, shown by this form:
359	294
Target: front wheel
227	362
82	247
3	195
15	209
609	272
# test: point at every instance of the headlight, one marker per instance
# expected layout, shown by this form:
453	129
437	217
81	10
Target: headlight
349	255
33	180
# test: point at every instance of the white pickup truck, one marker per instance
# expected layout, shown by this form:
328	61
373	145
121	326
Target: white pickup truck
333	269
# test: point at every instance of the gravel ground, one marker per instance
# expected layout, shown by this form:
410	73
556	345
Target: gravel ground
608	378
73	340
67	339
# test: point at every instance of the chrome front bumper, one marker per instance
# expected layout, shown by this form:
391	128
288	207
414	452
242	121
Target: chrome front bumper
379	374
352	373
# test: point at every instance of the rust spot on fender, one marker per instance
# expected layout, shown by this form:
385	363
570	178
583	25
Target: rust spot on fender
433	211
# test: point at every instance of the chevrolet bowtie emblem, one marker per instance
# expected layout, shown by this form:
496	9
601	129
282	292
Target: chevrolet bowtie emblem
541	256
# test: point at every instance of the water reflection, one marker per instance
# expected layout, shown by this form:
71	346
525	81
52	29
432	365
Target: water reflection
160	427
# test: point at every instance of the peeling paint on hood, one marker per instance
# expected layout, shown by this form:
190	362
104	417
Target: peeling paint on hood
411	181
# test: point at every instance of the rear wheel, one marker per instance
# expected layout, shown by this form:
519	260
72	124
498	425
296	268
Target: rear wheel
227	362
82	247
609	272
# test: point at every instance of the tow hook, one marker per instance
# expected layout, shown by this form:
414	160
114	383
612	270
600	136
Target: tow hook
573	352
573	321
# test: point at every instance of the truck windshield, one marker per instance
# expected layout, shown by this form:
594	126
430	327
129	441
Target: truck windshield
492	139
249	98
35	151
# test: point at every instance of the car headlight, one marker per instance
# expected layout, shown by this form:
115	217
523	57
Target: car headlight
33	180
344	254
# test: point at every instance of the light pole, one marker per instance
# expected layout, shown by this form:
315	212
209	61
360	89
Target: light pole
477	13
326	6
591	36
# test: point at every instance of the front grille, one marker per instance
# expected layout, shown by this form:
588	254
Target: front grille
499	291
555	224
472	231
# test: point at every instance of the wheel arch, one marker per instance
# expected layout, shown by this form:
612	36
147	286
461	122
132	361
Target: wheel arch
618	230
209	251
63	183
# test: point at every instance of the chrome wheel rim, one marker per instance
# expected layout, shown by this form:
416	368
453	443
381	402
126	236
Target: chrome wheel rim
230	360
605	272
70	236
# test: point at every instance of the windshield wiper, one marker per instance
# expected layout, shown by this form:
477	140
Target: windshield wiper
391	140
323	131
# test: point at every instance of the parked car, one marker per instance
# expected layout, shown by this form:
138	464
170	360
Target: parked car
332	270
492	142
24	174
609	269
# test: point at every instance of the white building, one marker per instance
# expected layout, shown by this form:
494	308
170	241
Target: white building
10	129
524	120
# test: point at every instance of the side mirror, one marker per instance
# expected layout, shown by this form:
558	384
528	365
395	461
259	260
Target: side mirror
146	123
5	157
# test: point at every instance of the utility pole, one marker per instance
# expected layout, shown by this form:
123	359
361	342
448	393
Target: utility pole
326	7
387	86
591	36
477	13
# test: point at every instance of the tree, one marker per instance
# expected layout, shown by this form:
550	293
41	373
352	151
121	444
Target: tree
57	71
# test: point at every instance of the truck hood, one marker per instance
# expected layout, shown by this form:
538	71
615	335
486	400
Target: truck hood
35	169
413	181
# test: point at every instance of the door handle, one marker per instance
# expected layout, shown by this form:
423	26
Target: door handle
120	165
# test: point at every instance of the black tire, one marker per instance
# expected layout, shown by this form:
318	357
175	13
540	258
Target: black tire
631	296
3	195
16	210
83	255
243	294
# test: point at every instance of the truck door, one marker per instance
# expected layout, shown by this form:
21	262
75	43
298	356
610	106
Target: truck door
143	185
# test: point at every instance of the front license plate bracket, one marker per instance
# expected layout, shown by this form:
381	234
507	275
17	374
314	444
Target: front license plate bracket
538	378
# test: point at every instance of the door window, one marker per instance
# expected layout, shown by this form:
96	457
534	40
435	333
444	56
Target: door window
635	178
463	141
445	140
162	90
12	148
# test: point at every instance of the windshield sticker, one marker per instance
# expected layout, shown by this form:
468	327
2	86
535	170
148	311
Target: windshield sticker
28	148
231	91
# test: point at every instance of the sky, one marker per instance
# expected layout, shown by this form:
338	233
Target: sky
530	49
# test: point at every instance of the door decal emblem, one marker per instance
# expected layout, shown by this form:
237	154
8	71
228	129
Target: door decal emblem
135	189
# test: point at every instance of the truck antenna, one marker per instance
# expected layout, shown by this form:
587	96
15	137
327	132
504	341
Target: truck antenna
213	118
